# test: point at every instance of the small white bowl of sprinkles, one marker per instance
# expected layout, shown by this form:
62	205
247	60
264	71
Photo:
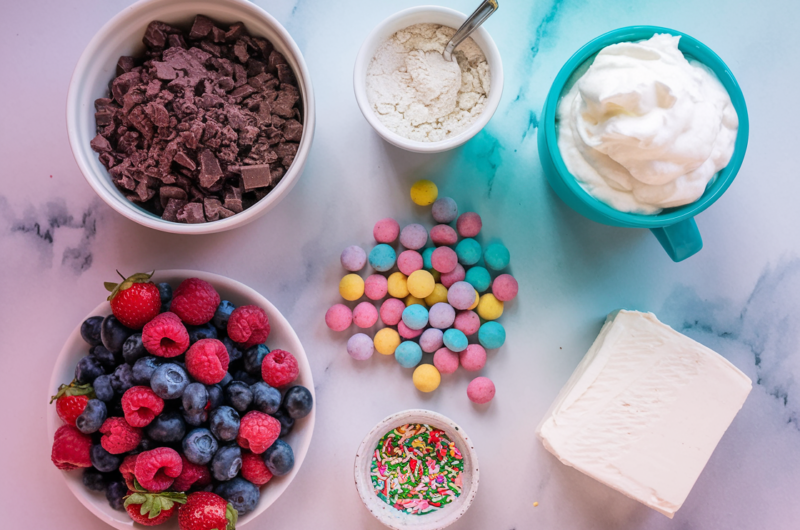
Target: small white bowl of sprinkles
417	469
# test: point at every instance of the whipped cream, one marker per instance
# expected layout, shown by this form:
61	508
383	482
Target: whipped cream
644	128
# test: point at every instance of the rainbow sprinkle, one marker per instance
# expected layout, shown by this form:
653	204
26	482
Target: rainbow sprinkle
417	469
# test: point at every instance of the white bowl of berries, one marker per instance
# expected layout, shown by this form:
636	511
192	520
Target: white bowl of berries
201	416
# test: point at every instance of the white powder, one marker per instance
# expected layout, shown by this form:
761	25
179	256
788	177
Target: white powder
420	96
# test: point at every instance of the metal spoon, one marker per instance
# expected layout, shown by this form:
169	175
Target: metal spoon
477	18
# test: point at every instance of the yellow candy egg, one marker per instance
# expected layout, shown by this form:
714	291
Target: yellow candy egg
411	300
426	378
421	283
477	300
398	285
424	192
439	294
351	287
386	341
490	308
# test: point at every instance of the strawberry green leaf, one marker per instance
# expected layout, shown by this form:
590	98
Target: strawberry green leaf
232	516
156	509
147	505
134	498
110	286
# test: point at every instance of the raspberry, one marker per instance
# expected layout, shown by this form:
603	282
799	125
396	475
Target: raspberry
192	475
127	467
248	325
165	336
156	469
257	431
195	301
119	437
279	368
207	361
141	405
71	448
254	469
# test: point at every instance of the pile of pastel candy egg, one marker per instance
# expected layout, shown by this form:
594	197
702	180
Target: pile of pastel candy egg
438	299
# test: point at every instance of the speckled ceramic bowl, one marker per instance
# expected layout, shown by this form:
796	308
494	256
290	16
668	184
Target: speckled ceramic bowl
438	519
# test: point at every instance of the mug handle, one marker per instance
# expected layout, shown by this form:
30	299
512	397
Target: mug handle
680	240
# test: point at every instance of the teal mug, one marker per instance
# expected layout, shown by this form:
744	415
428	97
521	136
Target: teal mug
674	228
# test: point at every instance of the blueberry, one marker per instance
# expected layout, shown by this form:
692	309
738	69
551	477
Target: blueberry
103	460
94	480
253	357
222	314
195	398
122	378
279	458
114	334
133	349
88	369
238	395
226	463
242	494
148	444
297	402
224	423
92	418
115	493
143	369
215	396
199	446
107	360
234	353
164	292
244	377
196	418
227	378
206	331
266	398
167	427
90	330
286	421
169	381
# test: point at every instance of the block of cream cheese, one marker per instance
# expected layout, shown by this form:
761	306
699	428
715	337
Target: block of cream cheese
644	410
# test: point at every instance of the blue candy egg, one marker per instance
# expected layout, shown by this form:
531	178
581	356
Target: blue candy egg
479	278
492	335
468	251
415	316
408	354
382	257
455	340
496	256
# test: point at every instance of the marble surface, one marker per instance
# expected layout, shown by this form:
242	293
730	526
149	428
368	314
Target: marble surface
739	296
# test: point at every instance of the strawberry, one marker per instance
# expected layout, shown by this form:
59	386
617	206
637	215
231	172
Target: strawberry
206	511
151	509
71	399
135	301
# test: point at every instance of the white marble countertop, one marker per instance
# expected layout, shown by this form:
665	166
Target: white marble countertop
739	296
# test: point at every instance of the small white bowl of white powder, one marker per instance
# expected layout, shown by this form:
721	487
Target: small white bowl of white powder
415	99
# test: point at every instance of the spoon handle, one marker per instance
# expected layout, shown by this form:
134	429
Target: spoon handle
477	18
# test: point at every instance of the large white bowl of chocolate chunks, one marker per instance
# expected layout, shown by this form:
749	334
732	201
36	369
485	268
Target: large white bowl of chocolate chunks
191	116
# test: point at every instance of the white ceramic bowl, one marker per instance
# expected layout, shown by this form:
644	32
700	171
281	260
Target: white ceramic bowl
431	15
122	35
281	336
438	519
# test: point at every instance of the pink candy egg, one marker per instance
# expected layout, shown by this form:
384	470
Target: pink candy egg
444	259
431	340
467	322
353	258
414	237
392	311
461	295
505	287
406	332
456	275
386	230
445	361
480	390
360	347
441	315
376	286
473	359
409	261
365	315
443	235
469	224
339	317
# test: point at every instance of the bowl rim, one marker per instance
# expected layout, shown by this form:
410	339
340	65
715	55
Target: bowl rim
300	452
138	214
364	57
365	451
689	46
